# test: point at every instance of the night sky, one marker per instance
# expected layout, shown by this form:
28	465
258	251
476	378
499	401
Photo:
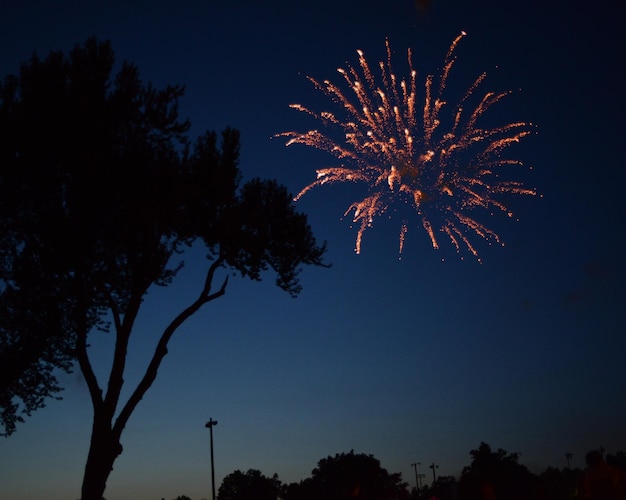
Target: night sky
417	359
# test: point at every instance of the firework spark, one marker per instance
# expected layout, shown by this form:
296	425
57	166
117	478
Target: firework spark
404	154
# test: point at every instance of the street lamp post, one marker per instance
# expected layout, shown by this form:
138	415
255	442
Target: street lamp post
434	466
417	482
420	477
210	425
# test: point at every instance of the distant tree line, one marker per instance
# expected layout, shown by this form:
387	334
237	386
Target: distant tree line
495	475
346	475
491	475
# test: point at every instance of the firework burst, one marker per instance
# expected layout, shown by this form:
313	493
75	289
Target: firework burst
401	150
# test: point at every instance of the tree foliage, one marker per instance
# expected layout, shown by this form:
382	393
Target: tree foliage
349	475
443	488
559	484
101	190
251	485
495	474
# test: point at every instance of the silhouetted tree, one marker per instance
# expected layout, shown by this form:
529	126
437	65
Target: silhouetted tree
617	460
443	488
558	484
251	485
349	475
495	475
100	192
601	480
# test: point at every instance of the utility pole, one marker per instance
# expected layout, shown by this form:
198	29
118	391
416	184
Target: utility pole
568	457
417	482
420	477
210	425
433	467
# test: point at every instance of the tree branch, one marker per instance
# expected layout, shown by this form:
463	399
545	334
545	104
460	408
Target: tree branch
85	366
81	347
123	330
114	311
161	349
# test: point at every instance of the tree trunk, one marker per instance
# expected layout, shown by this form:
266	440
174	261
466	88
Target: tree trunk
103	450
105	444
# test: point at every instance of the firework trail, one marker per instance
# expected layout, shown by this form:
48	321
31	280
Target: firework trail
404	155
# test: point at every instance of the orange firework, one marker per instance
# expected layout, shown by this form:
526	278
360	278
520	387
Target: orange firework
404	155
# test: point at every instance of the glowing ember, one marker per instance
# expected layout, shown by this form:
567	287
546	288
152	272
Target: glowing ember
400	152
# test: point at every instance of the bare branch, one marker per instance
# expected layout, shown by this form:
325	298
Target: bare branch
85	366
122	336
161	349
219	293
114	311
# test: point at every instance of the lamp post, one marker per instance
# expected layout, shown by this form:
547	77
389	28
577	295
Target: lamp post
419	478
568	457
210	425
434	466
417	483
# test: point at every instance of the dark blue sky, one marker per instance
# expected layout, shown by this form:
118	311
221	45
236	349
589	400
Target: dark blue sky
412	360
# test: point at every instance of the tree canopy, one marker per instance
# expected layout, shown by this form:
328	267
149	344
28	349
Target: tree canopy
491	474
251	485
349	475
496	473
101	190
